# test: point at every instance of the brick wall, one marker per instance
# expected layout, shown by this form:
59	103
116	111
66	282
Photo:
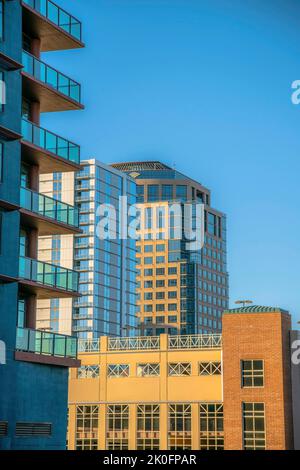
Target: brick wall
262	336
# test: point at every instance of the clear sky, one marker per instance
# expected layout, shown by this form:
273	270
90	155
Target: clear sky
204	85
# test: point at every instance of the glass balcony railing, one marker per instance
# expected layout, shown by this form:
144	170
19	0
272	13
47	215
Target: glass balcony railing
48	275
51	77
43	342
50	142
49	207
57	15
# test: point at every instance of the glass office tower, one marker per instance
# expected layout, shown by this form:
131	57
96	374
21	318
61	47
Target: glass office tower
179	291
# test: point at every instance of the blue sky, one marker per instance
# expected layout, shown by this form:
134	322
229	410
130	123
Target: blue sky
204	85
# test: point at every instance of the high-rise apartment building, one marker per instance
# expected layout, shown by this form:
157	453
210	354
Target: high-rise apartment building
196	392
179	291
34	378
107	267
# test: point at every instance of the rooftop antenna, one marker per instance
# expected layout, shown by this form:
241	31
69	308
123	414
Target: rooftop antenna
174	166
243	302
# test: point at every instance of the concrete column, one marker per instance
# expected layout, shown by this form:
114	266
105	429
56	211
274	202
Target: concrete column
102	393
164	367
71	427
163	426
33	243
35	112
34	178
195	426
30	321
35	48
164	392
102	428
132	427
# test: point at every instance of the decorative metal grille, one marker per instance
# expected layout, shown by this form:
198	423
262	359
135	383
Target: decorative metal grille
87	424
210	368
180	369
117	427
118	370
148	427
88	372
180	422
148	370
211	426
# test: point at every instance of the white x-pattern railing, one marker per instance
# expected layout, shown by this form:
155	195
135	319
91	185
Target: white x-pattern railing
140	343
88	345
195	342
134	343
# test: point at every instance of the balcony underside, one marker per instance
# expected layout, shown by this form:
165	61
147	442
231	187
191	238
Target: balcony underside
43	291
8	134
46	225
7	279
8	206
9	64
50	99
46	161
53	38
47	360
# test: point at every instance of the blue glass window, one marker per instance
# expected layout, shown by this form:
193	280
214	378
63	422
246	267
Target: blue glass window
172	319
181	193
1	162
167	192
153	192
1	20
140	193
160	319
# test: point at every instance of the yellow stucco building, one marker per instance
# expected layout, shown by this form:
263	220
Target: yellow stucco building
229	391
137	386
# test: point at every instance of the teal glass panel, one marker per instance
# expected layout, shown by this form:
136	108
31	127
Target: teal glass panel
47	343
57	16
59	345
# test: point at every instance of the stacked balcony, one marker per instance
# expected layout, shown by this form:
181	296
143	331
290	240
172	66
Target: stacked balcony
49	151
47	215
50	345
56	28
52	89
47	280
46	27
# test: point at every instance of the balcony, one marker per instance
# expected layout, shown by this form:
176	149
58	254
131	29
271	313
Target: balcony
57	29
49	151
52	89
47	280
138	343
210	341
49	216
46	347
